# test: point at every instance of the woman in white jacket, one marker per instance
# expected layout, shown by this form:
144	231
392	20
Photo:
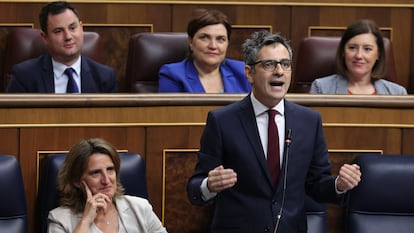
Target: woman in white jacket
92	198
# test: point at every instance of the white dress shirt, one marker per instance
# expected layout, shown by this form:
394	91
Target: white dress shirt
61	79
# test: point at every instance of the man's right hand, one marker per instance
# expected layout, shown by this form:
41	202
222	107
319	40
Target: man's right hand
220	179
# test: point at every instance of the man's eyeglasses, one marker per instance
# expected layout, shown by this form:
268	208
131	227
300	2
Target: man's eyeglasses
271	65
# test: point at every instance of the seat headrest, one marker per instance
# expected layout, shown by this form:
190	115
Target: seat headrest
13	209
147	52
385	179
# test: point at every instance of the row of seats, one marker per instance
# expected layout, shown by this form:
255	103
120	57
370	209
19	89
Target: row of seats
381	203
148	51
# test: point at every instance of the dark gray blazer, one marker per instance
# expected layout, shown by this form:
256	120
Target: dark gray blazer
338	84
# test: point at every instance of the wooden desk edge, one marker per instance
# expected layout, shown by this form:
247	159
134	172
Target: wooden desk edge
190	99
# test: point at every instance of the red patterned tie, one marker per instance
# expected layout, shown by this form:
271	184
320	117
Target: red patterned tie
273	154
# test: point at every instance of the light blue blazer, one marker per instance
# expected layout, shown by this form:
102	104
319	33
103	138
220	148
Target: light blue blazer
183	77
338	84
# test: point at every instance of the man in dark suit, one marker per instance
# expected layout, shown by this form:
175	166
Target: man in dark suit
62	32
233	171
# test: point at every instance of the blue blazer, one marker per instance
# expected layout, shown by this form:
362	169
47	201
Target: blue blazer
36	76
183	77
338	84
231	138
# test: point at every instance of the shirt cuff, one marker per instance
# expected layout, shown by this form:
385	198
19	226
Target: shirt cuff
336	188
205	193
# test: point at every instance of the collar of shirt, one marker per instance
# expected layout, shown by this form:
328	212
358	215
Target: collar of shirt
60	76
262	121
260	108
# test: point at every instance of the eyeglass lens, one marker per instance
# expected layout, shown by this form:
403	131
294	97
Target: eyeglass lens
270	65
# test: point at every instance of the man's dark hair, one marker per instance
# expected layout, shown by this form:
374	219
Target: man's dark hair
54	8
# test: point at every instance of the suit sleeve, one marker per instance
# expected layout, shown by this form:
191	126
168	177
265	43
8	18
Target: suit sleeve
103	79
55	226
209	157
320	184
315	88
16	84
58	223
167	82
112	82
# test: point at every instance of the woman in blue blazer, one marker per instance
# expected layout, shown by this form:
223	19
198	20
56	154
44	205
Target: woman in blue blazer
206	69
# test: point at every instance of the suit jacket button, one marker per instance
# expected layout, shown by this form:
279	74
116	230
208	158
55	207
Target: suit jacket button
267	229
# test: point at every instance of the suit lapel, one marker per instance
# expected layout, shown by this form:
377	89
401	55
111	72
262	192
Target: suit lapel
290	118
380	87
289	115
126	215
86	78
229	80
249	124
342	85
48	77
192	77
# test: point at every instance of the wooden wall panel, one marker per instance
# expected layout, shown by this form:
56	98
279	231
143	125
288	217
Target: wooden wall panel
117	22
9	138
12	12
382	3
387	140
410	60
115	39
178	167
166	138
408	141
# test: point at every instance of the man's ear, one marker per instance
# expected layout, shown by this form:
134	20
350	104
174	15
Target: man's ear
248	71
43	36
81	25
